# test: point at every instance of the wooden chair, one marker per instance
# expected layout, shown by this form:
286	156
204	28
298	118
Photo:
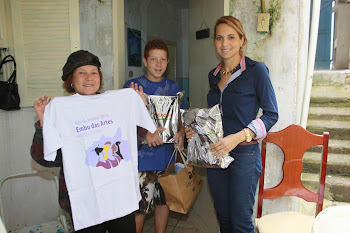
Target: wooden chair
294	141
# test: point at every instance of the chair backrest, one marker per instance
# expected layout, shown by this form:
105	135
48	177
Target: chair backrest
21	175
294	140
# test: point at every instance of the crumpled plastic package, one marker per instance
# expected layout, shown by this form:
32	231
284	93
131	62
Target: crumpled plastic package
165	112
208	127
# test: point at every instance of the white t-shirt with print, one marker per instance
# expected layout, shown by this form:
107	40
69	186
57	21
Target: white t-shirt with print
98	138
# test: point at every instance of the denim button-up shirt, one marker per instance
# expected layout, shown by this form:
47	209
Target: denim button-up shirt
242	98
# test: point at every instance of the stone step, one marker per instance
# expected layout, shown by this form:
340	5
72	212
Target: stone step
330	96
329	77
327	102
336	129
337	187
334	147
329	113
337	164
330	92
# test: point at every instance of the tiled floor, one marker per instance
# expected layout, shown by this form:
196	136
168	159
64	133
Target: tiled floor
177	223
54	226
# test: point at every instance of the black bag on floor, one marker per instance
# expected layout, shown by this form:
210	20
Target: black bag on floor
9	97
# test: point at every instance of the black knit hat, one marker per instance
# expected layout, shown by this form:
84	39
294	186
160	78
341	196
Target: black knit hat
77	59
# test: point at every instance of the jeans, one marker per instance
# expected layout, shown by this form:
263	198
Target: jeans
233	189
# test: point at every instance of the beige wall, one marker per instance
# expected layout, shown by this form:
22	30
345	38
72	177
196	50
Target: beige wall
202	53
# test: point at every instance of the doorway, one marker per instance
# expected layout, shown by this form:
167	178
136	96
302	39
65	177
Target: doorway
323	51
166	20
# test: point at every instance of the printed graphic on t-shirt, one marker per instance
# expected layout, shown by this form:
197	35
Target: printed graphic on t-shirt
108	152
92	125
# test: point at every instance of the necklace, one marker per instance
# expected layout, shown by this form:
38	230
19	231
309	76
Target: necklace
224	72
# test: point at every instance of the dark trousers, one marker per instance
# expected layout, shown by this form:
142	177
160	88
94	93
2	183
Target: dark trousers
233	189
124	224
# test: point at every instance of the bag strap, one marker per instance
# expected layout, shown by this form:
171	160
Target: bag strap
182	154
174	153
12	78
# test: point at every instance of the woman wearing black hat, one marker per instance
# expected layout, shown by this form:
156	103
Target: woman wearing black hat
81	75
85	68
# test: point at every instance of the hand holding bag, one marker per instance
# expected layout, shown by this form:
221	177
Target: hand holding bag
182	188
9	97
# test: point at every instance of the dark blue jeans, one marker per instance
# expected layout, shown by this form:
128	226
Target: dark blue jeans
233	189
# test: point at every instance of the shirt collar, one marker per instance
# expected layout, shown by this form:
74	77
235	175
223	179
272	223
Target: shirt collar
242	64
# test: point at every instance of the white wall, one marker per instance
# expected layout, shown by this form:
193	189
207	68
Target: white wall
278	49
203	56
96	35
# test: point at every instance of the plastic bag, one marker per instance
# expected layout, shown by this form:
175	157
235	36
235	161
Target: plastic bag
165	112
208	127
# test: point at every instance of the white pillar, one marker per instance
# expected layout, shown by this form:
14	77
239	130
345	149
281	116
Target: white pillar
311	60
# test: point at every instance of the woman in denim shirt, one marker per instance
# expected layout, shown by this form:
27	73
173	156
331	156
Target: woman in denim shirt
241	87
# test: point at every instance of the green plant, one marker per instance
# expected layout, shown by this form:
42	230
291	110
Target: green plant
275	13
